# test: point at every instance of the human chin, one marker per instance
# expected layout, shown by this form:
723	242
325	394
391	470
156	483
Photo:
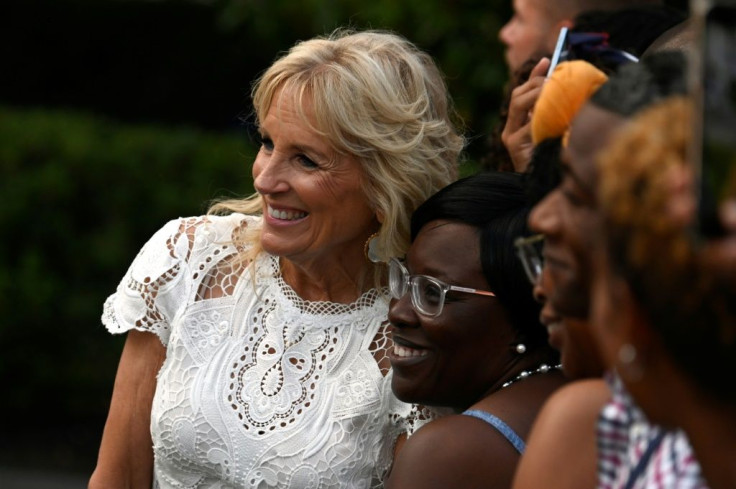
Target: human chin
410	376
277	242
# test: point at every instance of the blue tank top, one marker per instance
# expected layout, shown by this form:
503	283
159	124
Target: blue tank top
502	427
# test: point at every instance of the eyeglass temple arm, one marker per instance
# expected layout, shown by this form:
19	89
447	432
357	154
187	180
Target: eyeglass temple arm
472	291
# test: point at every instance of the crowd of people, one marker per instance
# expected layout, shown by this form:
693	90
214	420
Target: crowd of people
367	319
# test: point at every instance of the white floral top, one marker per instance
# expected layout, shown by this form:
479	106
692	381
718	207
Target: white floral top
259	388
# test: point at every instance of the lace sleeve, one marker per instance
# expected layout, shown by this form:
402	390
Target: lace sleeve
415	416
406	419
155	286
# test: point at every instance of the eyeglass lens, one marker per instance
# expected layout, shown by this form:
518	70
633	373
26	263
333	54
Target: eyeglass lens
529	252
427	296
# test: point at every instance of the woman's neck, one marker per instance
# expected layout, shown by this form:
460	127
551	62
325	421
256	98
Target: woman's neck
339	282
530	365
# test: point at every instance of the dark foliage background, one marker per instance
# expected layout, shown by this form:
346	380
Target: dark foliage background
116	116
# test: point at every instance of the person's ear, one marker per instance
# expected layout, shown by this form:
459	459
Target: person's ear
563	23
555	32
379	217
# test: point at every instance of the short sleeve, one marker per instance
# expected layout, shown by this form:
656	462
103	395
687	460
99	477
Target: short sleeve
155	286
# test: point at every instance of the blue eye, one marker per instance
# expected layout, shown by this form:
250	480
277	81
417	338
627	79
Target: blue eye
307	162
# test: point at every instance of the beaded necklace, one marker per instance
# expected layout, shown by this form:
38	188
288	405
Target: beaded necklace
542	369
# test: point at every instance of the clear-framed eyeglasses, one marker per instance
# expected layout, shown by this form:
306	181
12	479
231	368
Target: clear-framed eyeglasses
529	251
427	293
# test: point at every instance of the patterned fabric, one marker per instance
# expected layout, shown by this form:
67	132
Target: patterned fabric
259	388
624	435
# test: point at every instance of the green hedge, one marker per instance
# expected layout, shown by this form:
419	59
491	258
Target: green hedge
80	195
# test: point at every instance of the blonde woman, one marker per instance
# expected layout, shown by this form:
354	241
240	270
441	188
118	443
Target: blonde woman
256	353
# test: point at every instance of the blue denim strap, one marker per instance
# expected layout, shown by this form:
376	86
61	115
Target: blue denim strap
502	427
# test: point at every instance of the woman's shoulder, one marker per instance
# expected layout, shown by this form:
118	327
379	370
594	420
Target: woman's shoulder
217	228
570	408
197	236
454	448
181	238
584	397
569	415
166	272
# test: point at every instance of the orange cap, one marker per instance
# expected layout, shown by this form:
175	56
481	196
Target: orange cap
565	91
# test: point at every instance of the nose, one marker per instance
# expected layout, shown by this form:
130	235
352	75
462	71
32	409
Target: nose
269	174
538	292
545	216
504	34
401	313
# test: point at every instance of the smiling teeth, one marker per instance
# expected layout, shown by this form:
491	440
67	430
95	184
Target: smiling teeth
401	351
284	215
553	325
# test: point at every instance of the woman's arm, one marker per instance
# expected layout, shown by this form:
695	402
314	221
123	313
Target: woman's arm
125	459
561	451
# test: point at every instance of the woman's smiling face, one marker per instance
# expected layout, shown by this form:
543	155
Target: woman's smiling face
454	358
314	203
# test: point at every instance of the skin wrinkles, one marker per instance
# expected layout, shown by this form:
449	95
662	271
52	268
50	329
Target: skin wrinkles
328	216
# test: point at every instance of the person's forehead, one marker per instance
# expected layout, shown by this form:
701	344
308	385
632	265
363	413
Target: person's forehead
544	8
590	131
530	6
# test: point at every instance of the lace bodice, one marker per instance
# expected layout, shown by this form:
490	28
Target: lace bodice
259	388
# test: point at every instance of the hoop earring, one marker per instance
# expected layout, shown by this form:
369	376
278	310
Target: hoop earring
370	249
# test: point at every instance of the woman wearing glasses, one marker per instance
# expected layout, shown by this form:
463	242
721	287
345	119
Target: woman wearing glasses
467	336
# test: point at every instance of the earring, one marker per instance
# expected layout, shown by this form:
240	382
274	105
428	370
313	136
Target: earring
629	367
520	348
370	249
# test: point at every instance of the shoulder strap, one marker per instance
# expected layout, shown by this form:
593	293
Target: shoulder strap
500	426
644	460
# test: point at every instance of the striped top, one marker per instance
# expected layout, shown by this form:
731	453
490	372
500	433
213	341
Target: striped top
634	454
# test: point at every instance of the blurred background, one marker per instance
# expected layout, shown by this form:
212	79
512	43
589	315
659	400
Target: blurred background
118	115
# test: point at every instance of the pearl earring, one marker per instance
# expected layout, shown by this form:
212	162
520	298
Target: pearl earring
520	348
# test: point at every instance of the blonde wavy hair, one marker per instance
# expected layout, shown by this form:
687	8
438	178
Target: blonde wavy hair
375	96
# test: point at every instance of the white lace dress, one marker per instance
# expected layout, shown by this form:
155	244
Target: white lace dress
259	388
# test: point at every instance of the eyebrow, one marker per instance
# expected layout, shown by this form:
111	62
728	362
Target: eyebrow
304	148
300	148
